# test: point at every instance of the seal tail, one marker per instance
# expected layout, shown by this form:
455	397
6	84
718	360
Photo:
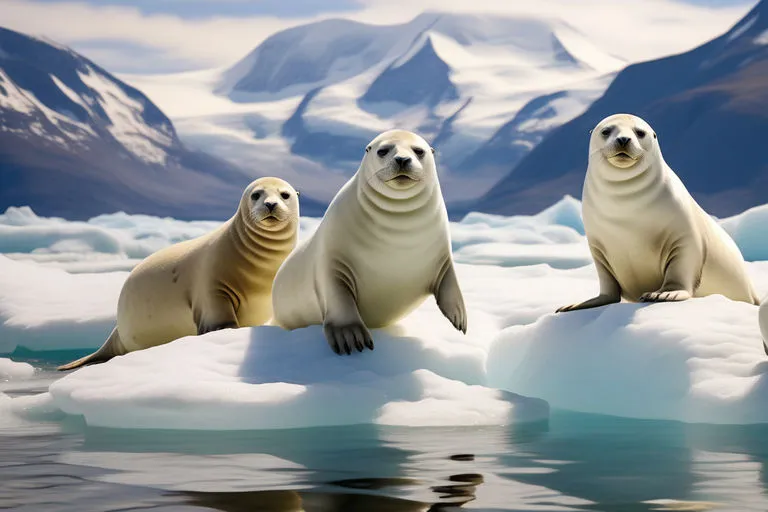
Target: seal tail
111	348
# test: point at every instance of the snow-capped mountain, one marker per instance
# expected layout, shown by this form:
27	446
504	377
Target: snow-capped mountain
308	99
709	107
75	142
455	81
484	89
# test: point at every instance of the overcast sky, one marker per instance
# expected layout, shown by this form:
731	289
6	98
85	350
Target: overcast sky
158	36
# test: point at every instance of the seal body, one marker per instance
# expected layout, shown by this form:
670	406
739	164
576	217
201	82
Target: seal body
649	239
220	280
381	249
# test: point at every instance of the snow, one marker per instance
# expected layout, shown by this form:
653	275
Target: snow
126	123
697	361
500	58
45	309
747	230
763	318
268	378
12	97
10	369
744	26
762	38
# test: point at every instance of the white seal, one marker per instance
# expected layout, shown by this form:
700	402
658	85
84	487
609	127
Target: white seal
650	240
381	249
220	280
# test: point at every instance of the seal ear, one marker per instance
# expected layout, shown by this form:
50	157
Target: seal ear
590	131
298	194
432	149
654	135
368	149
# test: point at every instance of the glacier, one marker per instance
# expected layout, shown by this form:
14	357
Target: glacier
700	361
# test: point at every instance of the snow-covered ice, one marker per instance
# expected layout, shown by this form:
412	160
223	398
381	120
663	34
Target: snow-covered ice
269	378
697	361
49	309
10	369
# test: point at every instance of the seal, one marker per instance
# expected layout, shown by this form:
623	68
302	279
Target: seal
650	240
220	280
382	247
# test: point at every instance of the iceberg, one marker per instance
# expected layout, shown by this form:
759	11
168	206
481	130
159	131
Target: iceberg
700	360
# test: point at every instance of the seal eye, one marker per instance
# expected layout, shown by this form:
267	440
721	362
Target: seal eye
382	152
606	132
285	195
419	152
255	196
640	134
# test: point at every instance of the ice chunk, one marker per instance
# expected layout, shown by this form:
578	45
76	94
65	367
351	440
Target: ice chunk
266	378
748	231
15	370
701	360
49	309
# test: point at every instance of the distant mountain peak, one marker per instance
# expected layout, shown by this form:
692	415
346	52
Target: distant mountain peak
98	144
420	77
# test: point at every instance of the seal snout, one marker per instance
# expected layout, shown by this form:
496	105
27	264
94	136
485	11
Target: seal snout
403	163
623	142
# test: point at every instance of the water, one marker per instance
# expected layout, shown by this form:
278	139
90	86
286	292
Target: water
572	462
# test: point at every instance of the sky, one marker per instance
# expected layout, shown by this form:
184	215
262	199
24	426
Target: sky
166	36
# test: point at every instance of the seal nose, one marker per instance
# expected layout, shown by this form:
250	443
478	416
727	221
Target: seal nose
402	161
622	141
270	205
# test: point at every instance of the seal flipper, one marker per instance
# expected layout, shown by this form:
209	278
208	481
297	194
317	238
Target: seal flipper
111	348
343	327
450	300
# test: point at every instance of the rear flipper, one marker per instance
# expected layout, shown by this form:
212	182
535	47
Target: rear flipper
111	348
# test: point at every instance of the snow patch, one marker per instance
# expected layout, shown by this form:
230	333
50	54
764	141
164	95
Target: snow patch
15	370
266	378
126	123
762	38
50	309
697	361
744	26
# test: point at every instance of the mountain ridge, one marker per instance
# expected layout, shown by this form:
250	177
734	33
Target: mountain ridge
690	99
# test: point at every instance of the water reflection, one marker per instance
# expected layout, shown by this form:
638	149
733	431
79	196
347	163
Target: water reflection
573	462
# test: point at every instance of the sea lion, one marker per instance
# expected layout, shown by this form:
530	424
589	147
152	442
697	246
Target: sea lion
220	280
650	240
382	247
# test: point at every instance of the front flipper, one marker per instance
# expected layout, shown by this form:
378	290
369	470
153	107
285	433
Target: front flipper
665	296
610	291
450	300
344	329
680	277
594	302
216	314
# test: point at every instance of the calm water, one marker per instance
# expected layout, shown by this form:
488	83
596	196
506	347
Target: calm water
572	462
